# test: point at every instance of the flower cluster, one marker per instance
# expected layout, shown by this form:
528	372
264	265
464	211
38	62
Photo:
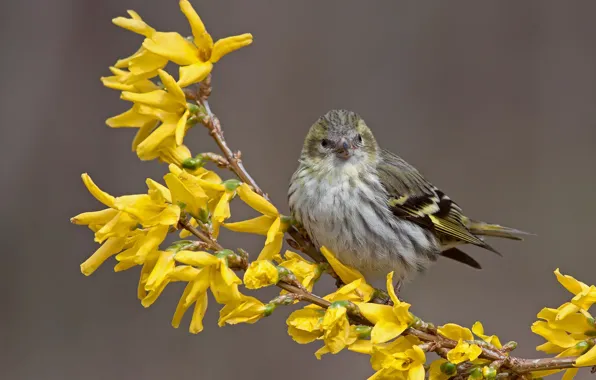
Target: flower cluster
160	110
570	329
196	203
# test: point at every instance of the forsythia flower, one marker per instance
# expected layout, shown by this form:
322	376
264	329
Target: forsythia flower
464	352
400	359
305	325
478	330
247	310
269	224
349	275
143	63
390	321
196	59
585	296
168	106
305	271
259	274
336	328
116	225
455	332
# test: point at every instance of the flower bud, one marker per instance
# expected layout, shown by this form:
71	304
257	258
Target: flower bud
363	331
489	373
449	368
232	184
269	308
475	374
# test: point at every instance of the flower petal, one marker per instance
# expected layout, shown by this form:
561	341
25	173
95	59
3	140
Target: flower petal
100	195
256	201
385	330
194	73
181	127
346	273
172	46
259	225
230	44
202	39
588	359
196	324
196	258
111	247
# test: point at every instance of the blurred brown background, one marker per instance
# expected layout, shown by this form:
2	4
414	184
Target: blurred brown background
494	101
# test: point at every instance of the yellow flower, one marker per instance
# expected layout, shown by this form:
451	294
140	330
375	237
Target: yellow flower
336	328
247	310
222	281
478	329
400	359
464	351
305	325
117	225
196	59
269	224
390	321
195	292
455	332
349	275
350	292
305	271
186	191
259	274
143	63
351	342
435	372
576	323
585	296
126	81
169	106
554	336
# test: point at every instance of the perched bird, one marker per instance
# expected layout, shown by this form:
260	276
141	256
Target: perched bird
375	211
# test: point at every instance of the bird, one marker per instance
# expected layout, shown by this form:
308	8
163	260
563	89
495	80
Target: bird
372	209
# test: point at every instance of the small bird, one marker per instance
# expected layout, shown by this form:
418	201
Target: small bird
375	211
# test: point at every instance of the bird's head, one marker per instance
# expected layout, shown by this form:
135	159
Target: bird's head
340	137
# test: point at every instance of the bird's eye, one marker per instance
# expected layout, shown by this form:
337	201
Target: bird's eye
325	143
359	138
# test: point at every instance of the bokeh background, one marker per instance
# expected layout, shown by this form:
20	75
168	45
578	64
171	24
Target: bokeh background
494	101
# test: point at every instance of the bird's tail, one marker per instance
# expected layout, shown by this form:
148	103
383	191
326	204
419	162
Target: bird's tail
487	229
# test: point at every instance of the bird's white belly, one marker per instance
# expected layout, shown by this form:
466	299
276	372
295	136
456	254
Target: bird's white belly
357	226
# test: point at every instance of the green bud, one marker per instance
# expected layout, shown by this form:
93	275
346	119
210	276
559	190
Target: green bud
193	108
582	346
203	215
192	120
510	346
283	271
449	368
194	162
180	245
363	331
269	308
476	373
182	205
286	219
590	333
224	253
489	373
232	184
343	303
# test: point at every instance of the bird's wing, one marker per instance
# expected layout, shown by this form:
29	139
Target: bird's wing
413	198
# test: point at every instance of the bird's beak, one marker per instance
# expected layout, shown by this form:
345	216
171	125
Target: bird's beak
343	149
